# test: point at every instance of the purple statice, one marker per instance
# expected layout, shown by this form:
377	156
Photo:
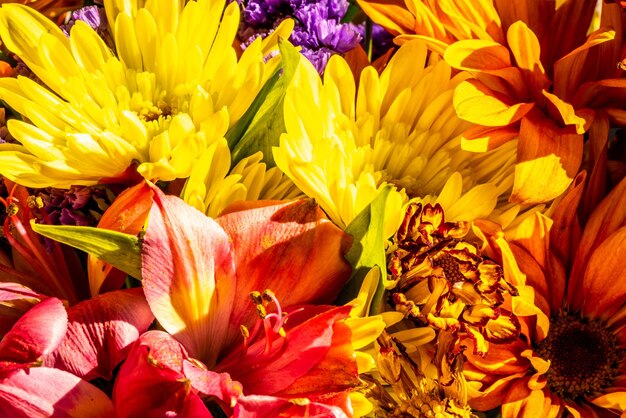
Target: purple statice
94	16
318	28
79	205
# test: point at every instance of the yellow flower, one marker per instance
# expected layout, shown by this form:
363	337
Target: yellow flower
213	185
401	129
173	87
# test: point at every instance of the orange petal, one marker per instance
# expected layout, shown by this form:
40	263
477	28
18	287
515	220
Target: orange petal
485	138
615	400
547	161
604	282
564	112
597	162
608	217
477	55
526	51
573	69
521	401
475	102
390	14
127	214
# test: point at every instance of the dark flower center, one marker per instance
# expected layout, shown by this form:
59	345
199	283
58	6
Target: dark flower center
585	356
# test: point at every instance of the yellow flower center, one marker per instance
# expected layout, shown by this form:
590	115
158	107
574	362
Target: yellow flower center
584	355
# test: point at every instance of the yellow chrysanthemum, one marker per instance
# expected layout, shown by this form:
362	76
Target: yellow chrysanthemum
213	185
173	86
401	129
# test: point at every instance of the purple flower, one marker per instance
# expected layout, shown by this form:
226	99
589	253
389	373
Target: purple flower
94	16
318	29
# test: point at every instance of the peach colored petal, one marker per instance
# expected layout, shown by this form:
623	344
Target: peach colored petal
604	281
475	102
547	161
477	55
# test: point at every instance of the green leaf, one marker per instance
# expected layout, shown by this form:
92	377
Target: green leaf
261	126
122	251
367	251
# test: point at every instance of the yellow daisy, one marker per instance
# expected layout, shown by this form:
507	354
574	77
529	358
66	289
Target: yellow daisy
344	143
172	87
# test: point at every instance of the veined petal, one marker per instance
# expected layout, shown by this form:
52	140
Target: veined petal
565	113
390	14
476	103
188	275
37	333
100	332
258	406
526	51
477	55
42	392
547	161
290	248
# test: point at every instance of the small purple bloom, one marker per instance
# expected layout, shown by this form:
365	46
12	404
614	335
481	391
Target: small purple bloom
318	29
94	16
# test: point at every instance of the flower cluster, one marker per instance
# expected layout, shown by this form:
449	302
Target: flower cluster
265	208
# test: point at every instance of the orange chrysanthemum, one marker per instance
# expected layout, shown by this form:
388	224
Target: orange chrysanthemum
575	361
538	75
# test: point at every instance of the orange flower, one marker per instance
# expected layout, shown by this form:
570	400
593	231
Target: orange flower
538	75
54	9
546	85
575	361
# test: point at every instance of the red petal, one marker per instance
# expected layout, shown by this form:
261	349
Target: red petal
43	392
20	299
35	334
305	347
151	383
127	214
256	406
189	276
289	248
212	385
100	333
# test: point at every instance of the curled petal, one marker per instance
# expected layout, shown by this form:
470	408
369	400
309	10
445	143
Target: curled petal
477	55
503	329
37	333
258	406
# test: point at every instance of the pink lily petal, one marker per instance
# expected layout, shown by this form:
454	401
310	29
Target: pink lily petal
37	333
15	301
212	386
290	248
151	382
44	392
258	406
100	333
188	276
268	372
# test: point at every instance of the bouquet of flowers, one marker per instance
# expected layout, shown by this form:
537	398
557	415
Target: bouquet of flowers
294	208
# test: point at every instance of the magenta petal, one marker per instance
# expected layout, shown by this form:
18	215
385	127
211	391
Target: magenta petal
100	333
257	406
151	382
189	276
305	346
44	392
35	334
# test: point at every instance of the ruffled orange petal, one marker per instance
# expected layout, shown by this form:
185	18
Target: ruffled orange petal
486	138
477	55
564	113
521	401
597	163
526	51
614	400
548	159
